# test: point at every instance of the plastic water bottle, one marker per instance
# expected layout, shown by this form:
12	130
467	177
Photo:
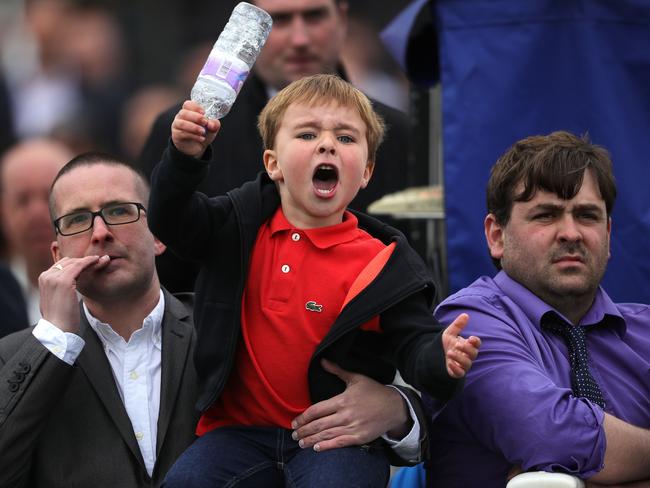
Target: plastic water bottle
231	59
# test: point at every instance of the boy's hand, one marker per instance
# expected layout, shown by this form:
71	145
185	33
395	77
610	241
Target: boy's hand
459	352
192	132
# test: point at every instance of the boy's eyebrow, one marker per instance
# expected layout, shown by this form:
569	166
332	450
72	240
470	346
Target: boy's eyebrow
315	124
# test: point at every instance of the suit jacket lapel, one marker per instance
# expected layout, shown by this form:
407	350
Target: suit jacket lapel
176	341
95	365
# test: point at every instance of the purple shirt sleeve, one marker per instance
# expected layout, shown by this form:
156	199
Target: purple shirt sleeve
514	402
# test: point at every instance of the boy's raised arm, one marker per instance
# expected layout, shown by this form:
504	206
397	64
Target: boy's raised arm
178	214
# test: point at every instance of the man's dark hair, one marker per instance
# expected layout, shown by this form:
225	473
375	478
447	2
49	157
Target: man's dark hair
99	158
555	163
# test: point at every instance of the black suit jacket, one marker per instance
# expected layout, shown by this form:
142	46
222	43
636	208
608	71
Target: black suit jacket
12	303
237	158
65	426
7	136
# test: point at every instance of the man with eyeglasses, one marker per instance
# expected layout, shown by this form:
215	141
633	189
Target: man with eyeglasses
103	394
115	214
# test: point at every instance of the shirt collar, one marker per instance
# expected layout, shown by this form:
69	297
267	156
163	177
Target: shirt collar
602	311
321	237
151	326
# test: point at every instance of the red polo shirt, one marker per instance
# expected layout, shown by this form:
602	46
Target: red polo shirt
296	287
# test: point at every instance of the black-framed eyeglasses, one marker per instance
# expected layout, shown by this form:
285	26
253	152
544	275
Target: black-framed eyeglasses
113	214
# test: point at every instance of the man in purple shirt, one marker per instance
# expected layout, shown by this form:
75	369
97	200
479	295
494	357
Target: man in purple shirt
548	228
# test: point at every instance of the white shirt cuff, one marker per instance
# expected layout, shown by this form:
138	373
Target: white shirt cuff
64	345
408	447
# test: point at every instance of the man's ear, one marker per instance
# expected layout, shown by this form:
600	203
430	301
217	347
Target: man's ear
343	9
159	247
56	253
367	173
609	235
493	236
271	165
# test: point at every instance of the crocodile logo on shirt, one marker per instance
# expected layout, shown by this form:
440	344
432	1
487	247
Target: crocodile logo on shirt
312	306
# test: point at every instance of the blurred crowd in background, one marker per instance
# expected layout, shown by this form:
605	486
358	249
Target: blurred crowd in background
95	74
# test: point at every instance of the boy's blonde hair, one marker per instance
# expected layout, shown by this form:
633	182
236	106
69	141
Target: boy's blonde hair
320	90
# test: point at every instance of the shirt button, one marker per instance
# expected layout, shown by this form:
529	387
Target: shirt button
56	350
285	268
295	236
133	375
139	436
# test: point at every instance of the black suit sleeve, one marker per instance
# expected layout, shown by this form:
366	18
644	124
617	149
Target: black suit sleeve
32	380
12	304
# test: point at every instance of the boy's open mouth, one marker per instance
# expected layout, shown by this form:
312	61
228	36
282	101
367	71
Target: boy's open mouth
325	178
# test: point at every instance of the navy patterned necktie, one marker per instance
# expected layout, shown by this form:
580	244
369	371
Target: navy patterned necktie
583	383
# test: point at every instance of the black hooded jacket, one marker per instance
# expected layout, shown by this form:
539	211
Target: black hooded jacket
220	233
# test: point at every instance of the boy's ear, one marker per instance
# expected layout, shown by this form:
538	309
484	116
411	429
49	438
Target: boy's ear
367	173
271	165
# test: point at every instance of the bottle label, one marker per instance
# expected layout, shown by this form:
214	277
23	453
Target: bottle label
233	72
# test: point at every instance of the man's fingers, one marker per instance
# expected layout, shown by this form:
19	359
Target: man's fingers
321	436
316	411
311	428
335	437
334	368
67	267
336	443
74	267
321	410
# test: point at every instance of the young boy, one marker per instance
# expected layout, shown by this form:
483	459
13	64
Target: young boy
290	277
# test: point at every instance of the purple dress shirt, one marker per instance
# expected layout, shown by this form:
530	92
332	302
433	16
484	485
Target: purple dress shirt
517	407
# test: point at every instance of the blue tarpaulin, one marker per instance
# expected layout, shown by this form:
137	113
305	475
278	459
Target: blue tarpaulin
513	68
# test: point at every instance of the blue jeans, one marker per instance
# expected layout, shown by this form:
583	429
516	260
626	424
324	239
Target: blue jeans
268	457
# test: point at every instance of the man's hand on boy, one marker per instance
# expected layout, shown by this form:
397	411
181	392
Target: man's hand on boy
192	132
459	352
362	413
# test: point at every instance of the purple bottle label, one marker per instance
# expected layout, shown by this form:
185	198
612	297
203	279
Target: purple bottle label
232	72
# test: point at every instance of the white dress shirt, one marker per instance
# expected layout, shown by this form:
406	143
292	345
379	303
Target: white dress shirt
136	367
409	447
